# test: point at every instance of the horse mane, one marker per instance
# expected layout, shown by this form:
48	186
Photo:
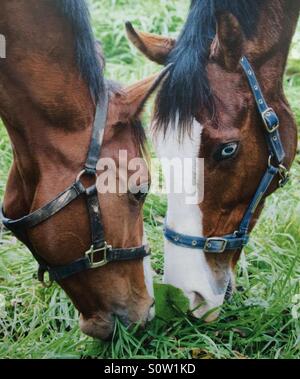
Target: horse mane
186	89
90	58
87	56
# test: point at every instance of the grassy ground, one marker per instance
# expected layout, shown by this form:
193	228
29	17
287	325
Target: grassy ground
257	323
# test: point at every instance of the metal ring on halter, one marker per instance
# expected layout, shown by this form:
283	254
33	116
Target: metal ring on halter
270	161
282	171
284	175
84	172
41	278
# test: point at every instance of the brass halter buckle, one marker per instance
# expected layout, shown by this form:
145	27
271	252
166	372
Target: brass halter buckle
207	247
90	254
267	112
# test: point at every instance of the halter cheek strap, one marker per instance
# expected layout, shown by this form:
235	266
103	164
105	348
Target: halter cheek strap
100	253
237	240
268	115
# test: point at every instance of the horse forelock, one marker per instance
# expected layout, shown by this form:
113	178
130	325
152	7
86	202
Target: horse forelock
187	90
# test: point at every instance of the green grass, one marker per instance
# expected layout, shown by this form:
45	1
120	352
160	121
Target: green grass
257	323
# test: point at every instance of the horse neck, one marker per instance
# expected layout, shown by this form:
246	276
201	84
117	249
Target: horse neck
270	46
46	108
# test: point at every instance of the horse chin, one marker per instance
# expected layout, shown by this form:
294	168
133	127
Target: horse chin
209	311
97	327
205	310
206	313
101	325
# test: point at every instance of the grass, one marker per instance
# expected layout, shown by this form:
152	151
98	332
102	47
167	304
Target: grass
257	323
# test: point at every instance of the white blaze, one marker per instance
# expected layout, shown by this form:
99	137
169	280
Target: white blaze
187	268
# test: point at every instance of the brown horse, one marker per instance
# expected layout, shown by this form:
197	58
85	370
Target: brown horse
49	82
205	108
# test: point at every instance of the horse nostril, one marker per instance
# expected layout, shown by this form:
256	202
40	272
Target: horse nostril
197	303
198	299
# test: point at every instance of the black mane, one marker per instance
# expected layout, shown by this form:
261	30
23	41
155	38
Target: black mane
187	89
77	13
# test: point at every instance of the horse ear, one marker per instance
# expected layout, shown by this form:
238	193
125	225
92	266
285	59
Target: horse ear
228	45
135	96
155	47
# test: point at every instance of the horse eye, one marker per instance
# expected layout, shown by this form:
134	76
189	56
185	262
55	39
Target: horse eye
226	151
140	193
140	196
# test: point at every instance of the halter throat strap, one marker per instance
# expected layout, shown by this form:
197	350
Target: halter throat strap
275	167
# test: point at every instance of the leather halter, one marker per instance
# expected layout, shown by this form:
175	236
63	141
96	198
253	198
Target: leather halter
237	240
100	253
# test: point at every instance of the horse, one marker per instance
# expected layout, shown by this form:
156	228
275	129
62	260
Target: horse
222	101
55	104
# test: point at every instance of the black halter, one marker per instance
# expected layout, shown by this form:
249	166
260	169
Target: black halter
275	167
100	252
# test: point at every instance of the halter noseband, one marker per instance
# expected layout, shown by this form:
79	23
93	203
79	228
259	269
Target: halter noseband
100	253
240	238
